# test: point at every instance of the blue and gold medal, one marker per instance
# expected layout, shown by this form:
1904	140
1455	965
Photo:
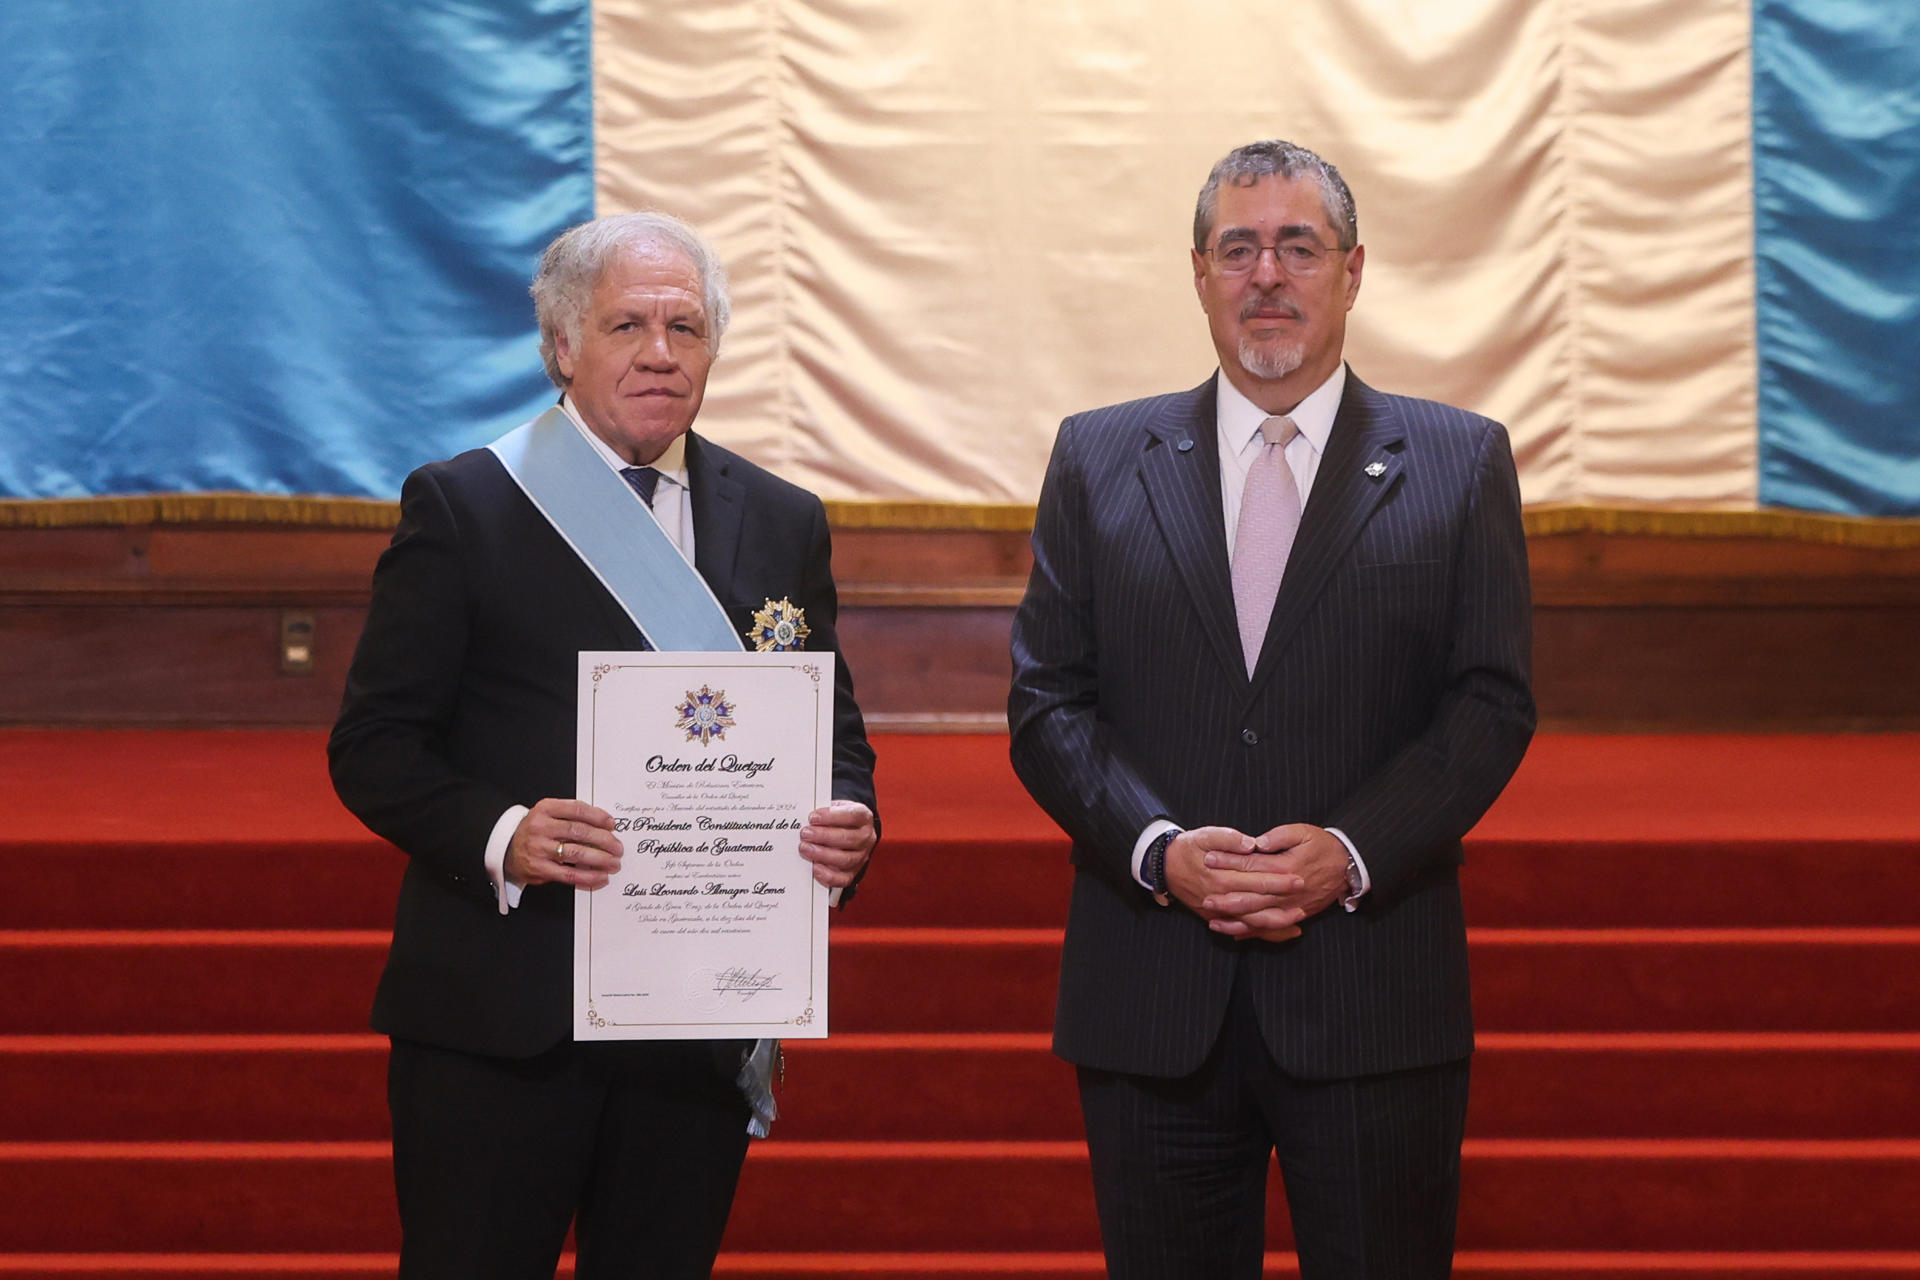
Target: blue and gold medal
779	626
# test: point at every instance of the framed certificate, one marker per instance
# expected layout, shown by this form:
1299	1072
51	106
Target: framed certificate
714	927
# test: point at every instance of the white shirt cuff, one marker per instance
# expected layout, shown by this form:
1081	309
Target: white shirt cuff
1352	900
1154	831
505	891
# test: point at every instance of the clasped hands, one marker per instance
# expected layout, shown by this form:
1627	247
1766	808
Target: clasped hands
572	842
1257	886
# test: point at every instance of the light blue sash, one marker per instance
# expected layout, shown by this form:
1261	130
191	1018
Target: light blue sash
614	534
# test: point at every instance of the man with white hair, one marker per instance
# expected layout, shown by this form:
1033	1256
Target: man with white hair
456	742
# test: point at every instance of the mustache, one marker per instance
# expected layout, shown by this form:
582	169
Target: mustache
1253	305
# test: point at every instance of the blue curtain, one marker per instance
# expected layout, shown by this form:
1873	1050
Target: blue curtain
1836	142
276	246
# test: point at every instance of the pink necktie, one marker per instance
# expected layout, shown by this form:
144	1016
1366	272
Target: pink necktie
1269	517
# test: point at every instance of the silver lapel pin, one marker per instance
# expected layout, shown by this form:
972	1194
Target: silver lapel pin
1376	469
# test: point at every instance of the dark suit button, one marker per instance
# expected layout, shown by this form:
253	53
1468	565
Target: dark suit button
1249	737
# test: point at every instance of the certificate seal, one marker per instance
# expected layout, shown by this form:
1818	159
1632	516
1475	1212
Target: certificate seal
702	990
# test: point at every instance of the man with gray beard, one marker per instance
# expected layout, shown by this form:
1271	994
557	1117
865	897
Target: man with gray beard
1271	665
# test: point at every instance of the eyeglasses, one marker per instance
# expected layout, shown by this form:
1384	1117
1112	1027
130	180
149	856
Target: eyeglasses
1298	258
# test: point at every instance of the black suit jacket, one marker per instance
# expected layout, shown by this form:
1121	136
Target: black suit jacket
461	703
1391	700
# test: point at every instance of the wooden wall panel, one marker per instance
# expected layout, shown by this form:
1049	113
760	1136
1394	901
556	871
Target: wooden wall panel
152	663
930	666
179	625
1773	667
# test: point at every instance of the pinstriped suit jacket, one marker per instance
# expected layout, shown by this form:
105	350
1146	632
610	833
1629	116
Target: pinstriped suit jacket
1391	700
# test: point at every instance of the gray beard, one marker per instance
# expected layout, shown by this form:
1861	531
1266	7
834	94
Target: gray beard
1271	361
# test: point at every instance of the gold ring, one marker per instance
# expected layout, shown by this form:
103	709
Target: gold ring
560	854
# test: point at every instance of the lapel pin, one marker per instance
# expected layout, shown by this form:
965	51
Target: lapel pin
1376	469
1185	446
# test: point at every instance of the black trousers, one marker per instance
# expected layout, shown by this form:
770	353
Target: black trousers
494	1158
1371	1166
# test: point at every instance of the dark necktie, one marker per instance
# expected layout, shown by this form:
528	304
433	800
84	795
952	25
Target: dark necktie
643	480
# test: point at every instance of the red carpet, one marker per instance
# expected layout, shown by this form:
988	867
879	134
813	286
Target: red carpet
1696	962
68	786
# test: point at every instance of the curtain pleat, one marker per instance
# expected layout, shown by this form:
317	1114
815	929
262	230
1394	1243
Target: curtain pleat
955	222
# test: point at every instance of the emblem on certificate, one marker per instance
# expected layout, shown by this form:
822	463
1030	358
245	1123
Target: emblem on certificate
779	626
705	715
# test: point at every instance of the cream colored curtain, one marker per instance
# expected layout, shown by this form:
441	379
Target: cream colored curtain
952	222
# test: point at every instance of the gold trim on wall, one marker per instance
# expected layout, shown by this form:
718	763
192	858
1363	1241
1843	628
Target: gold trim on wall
200	508
1793	526
1000	518
368	513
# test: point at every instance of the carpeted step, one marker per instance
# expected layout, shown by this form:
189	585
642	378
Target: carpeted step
1778	882
228	1266
982	1086
112	982
1696	1085
276	982
114	829
265	982
1481	1265
212	1088
1559	1085
1696	979
218	881
1507	883
1517	1195
1471	1265
350	884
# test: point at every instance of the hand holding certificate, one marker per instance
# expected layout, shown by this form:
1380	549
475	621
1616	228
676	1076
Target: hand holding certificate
714	927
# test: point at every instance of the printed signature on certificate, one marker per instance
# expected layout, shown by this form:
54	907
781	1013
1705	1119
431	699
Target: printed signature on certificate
744	984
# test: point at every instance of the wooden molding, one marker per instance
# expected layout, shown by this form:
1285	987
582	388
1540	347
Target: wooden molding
178	624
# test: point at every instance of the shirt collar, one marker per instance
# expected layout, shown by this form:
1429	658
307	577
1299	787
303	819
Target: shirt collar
1239	418
672	465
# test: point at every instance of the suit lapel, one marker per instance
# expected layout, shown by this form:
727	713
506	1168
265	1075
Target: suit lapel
719	511
1363	464
1180	468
